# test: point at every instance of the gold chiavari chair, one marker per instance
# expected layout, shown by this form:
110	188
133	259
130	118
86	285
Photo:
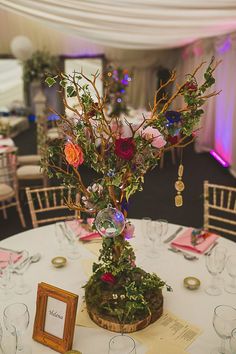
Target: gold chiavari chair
48	205
219	208
9	191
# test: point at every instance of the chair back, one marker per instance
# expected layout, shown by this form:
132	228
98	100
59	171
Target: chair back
220	208
48	205
8	164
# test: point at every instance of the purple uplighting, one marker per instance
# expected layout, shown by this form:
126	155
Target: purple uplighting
219	159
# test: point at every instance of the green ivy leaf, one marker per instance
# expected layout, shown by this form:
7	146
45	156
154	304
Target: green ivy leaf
50	81
71	91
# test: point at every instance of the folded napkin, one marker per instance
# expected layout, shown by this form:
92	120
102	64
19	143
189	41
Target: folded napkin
83	231
184	242
5	257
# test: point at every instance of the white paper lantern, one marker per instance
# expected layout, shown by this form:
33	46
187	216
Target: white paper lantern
22	47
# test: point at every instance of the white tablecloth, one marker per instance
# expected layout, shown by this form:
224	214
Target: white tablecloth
193	306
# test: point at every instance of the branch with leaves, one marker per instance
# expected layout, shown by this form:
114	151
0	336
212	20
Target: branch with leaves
119	152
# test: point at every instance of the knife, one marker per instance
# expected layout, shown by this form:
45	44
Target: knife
171	237
208	252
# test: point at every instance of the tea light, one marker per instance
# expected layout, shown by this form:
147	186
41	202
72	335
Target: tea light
191	283
59	262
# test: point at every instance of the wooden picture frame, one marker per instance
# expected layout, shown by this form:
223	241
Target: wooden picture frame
48	317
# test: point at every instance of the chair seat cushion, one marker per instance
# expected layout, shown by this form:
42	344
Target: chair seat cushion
29	172
28	159
6	192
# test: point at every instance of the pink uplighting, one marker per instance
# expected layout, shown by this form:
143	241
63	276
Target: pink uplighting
219	159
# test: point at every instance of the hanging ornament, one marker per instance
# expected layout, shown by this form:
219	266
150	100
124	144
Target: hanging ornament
110	222
179	186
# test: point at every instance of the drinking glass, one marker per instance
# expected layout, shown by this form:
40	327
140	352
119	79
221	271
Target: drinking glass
16	320
164	226
224	320
22	287
215	262
72	241
1	332
60	238
145	221
233	341
6	281
231	269
154	231
122	343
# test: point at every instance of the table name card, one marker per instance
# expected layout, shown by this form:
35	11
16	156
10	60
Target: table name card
55	317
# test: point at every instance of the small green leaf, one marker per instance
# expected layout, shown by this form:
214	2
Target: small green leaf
71	91
63	82
50	81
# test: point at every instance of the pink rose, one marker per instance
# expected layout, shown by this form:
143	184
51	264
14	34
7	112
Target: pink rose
153	134
108	278
74	154
128	230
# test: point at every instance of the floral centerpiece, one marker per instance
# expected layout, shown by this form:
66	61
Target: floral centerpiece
119	292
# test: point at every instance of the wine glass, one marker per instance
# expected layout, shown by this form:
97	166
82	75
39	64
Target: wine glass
233	341
145	221
16	320
60	238
1	332
154	231
6	281
22	287
215	262
72	240
231	269
164	226
224	320
122	343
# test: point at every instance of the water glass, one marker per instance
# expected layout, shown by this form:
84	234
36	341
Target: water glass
224	321
22	287
6	281
154	231
215	263
1	332
60	238
145	221
164	230
231	269
122	344
16	320
233	341
73	250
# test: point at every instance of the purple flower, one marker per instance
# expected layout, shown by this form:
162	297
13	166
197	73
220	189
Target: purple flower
173	116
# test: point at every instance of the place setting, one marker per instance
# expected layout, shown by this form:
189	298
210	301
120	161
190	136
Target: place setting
13	265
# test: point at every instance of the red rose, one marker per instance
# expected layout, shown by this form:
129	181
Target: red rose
173	139
191	86
125	148
108	278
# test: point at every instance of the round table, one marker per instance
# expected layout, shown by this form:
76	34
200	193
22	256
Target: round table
195	307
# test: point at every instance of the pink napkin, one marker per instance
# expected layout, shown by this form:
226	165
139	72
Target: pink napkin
5	257
79	230
184	242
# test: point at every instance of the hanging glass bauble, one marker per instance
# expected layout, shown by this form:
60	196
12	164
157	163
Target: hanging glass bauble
110	222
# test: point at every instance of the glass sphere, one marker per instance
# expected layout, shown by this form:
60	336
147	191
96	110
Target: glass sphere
110	222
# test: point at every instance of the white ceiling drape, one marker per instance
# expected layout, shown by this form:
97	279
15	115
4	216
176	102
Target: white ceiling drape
133	24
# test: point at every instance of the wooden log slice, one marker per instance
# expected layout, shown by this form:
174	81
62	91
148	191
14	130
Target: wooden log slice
115	326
